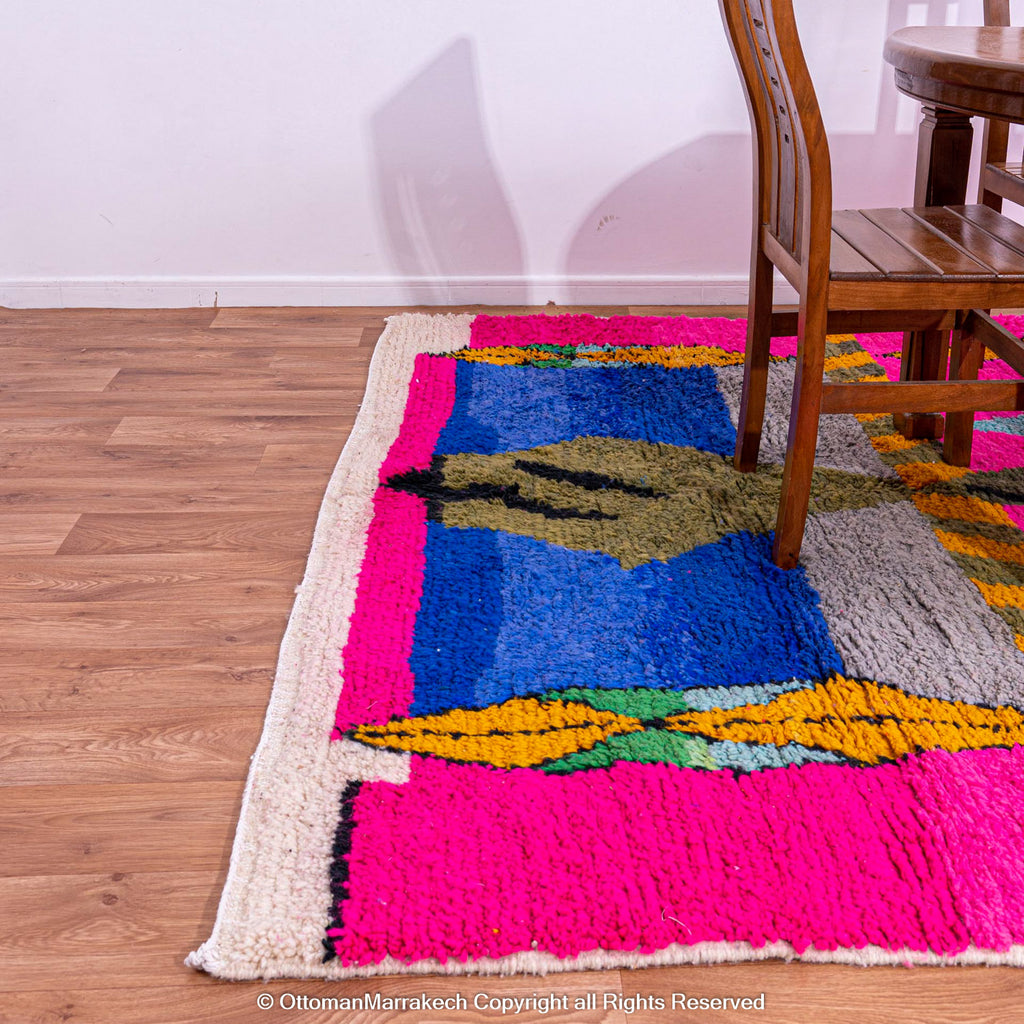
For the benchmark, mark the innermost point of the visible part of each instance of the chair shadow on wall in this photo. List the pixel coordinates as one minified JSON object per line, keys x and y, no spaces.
{"x":445,"y":211}
{"x":649,"y":219}
{"x":448,"y":219}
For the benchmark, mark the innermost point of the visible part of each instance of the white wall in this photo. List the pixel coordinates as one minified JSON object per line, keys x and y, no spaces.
{"x":307,"y":152}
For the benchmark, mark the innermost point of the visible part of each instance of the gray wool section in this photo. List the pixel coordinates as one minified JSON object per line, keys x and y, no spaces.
{"x":842,"y":443}
{"x":900,"y":610}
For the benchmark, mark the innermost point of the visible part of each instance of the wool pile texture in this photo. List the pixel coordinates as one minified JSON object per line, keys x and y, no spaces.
{"x":545,"y":703}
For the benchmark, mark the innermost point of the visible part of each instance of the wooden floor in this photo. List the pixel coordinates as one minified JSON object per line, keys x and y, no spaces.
{"x":160,"y":475}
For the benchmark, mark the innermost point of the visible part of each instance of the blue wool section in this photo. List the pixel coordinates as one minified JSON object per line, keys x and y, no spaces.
{"x":508,"y":408}
{"x":721,"y":615}
{"x":459,"y":618}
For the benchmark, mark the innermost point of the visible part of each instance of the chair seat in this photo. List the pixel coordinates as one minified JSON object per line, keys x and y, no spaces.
{"x":969,"y":244}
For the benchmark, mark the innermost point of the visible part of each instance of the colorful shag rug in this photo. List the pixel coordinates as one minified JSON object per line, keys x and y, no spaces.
{"x":545,"y":703}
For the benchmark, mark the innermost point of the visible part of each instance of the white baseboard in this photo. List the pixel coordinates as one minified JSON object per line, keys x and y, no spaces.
{"x":171,"y":293}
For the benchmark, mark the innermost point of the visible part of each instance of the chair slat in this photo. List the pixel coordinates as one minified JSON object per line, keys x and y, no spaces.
{"x":888,"y":257}
{"x":1008,"y":232}
{"x":846,"y":264}
{"x":949,"y":261}
{"x":1004,"y":261}
{"x":924,"y":396}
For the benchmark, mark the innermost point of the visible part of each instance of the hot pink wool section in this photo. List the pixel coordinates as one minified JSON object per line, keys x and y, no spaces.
{"x":993,"y":451}
{"x":618,"y":331}
{"x":378,"y":680}
{"x":903,"y":856}
{"x":430,"y":403}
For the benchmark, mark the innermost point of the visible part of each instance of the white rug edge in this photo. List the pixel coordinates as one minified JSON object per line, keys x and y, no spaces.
{"x":326,"y":592}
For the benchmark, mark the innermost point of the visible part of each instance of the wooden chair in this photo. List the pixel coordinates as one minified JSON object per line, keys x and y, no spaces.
{"x":999,"y":180}
{"x":930,"y":268}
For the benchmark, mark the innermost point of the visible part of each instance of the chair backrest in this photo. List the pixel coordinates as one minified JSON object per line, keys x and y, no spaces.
{"x":793,"y":190}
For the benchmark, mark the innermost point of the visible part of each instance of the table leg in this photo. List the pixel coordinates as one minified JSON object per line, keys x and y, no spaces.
{"x":943,"y":163}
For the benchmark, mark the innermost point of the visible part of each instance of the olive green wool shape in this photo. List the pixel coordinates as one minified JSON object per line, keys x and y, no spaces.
{"x":634,"y":500}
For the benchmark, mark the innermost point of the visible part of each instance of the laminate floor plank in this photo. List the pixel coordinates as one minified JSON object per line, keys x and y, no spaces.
{"x":319,"y":361}
{"x":101,"y":928}
{"x":286,"y":457}
{"x":205,"y":577}
{"x":213,"y":380}
{"x":153,"y":623}
{"x":141,"y":827}
{"x":347,"y":332}
{"x":166,"y":745}
{"x":154,"y":356}
{"x":93,"y":322}
{"x":35,"y":459}
{"x":16,"y":407}
{"x":312,"y":323}
{"x":163,"y":430}
{"x":58,"y":378}
{"x":32,"y":533}
{"x":75,"y":681}
{"x":22,"y":426}
{"x":162,"y":493}
{"x":146,"y":532}
{"x":176,"y":343}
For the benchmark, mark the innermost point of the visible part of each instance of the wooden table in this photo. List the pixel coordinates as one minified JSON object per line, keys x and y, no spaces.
{"x":956,"y":72}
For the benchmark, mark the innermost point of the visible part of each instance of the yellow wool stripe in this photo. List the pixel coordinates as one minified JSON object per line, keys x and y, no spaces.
{"x":957,"y":506}
{"x":671,"y":356}
{"x":924,"y":474}
{"x":1000,"y":595}
{"x":518,"y":733}
{"x":505,"y":355}
{"x":892,"y":443}
{"x":981,"y":547}
{"x":847,"y":360}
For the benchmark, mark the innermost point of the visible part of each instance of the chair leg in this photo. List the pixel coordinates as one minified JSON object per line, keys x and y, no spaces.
{"x":966,"y":354}
{"x":755,"y":363}
{"x":803,"y":439}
